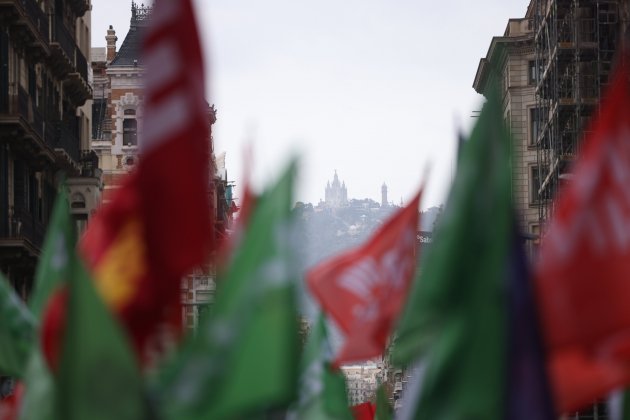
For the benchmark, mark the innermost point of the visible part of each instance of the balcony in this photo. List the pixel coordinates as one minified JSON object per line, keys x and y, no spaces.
{"x":89,"y":165}
{"x":21,"y":235}
{"x":29,"y":23}
{"x":62,"y":47}
{"x":79,"y":6}
{"x":23,"y":126}
{"x":67,"y":145}
{"x":76,"y":84}
{"x":69,"y":62}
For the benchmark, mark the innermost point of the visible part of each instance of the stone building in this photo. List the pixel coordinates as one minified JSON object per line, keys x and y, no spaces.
{"x":552,"y":67}
{"x":118,"y":100}
{"x":45,"y":119}
{"x":361,"y":382}
{"x":576,"y":45}
{"x":511,"y":63}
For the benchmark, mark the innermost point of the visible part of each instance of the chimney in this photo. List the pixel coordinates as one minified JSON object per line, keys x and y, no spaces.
{"x":111,"y":39}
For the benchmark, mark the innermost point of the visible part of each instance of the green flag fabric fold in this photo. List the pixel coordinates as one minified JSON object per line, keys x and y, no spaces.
{"x":323,"y":393}
{"x":456,"y":315}
{"x":17,"y":331}
{"x":243,"y":360}
{"x":384,"y":410}
{"x":53,"y":268}
{"x":99,"y":376}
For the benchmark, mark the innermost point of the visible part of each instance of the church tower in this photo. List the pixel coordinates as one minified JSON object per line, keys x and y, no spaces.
{"x":384,"y":195}
{"x":336,"y":193}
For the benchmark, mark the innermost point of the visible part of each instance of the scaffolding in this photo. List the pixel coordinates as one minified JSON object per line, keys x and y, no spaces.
{"x":575,"y":41}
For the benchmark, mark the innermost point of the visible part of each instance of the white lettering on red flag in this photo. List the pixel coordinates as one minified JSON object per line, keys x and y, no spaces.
{"x":583,"y":275}
{"x":175,"y":144}
{"x":365,"y":288}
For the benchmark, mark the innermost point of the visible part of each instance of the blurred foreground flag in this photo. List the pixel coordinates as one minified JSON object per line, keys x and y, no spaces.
{"x":98,"y":375}
{"x":363,"y":411}
{"x":159,"y":223}
{"x":584,"y":265}
{"x":17,"y":331}
{"x":48,"y":304}
{"x":384,"y":410}
{"x":460,"y":317}
{"x":323,"y":393}
{"x":243,"y":360}
{"x":9,"y":406}
{"x":364,"y":289}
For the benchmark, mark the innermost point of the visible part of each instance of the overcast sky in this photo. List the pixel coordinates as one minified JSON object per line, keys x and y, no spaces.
{"x":372,"y":88}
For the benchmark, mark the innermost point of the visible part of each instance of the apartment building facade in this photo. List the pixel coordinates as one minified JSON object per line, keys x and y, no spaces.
{"x":45,"y":119}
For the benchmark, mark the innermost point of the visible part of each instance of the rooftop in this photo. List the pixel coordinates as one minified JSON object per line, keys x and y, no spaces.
{"x":129,"y":53}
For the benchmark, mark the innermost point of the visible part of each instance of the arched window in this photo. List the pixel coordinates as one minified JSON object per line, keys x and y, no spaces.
{"x":130,"y":132}
{"x":78,"y":201}
{"x":130,"y":112}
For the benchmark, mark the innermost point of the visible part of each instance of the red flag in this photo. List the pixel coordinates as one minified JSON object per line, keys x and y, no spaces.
{"x":10,"y":407}
{"x":363,"y":411}
{"x":158,"y":225}
{"x":365,"y":289}
{"x":584,"y":265}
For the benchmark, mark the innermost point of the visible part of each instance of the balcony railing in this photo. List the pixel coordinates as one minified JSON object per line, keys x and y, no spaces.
{"x":67,"y":140}
{"x":62,"y":36}
{"x":24,"y":225}
{"x":22,"y":105}
{"x":37,"y":16}
{"x":81,"y":64}
{"x":89,"y":164}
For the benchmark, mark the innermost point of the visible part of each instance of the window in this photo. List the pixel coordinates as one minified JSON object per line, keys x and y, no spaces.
{"x":532,"y":73}
{"x":130,"y":132}
{"x":506,"y":82}
{"x":535,"y":119}
{"x":78,"y":201}
{"x":130,"y":112}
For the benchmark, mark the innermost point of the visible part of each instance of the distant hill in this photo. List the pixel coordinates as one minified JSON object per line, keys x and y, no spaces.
{"x":325,"y":231}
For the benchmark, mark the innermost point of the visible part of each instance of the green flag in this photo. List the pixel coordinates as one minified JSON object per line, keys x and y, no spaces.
{"x":17,"y":331}
{"x":384,"y":410}
{"x":243,"y":359}
{"x":53,"y":271}
{"x":53,"y":267}
{"x":99,"y":376}
{"x":323,"y":393}
{"x":456,"y":314}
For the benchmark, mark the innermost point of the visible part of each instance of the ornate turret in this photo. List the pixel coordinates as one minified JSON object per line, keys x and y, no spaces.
{"x":140,"y":13}
{"x":129,"y":53}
